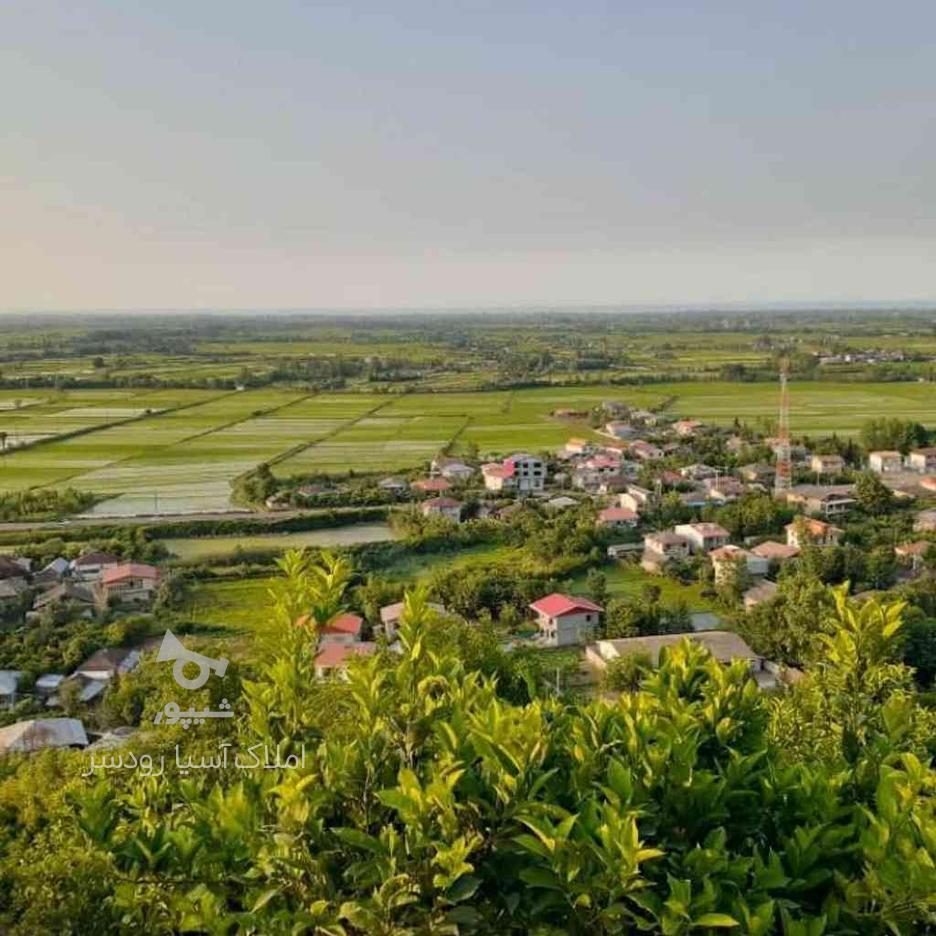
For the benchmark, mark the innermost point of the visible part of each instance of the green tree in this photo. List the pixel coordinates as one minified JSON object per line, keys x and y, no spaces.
{"x":786,"y":627}
{"x":871,"y":494}
{"x":625,"y":673}
{"x":597,"y":584}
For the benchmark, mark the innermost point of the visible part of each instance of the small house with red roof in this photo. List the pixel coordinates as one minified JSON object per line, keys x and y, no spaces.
{"x":335,"y":657}
{"x":446,"y":507}
{"x":431,"y":486}
{"x":565,"y":620}
{"x":130,"y":583}
{"x":617,"y":518}
{"x":342,"y":629}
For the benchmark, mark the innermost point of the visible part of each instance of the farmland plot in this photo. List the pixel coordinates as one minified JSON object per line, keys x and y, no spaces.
{"x":377,"y":443}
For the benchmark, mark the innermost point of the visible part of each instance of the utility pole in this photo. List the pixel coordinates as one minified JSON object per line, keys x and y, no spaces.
{"x":783,"y":478}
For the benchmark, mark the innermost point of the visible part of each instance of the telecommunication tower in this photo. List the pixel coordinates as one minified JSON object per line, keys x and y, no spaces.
{"x":784,"y":475}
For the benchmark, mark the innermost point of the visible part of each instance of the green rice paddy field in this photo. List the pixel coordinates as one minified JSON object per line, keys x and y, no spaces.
{"x":178,"y":450}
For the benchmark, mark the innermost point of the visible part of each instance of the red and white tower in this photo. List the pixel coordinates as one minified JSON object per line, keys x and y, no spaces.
{"x":784,"y":475}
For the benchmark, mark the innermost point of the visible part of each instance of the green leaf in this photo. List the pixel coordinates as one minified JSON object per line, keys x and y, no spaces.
{"x":719,"y":920}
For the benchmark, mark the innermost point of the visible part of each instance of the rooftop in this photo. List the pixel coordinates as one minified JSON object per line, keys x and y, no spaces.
{"x":723,"y":645}
{"x":334,"y":655}
{"x":557,"y":604}
{"x":346,"y":623}
{"x":774,"y":550}
{"x":38,"y":733}
{"x":129,"y":570}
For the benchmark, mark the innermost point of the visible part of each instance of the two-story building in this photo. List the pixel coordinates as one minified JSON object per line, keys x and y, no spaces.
{"x":446,"y":507}
{"x":827,"y":464}
{"x":617,"y":518}
{"x":885,"y":462}
{"x":636,"y":498}
{"x":130,"y":583}
{"x":89,"y":565}
{"x":667,"y":545}
{"x":703,"y":537}
{"x":823,"y":500}
{"x":725,"y":559}
{"x":523,"y":473}
{"x":565,"y":620}
{"x":923,"y":460}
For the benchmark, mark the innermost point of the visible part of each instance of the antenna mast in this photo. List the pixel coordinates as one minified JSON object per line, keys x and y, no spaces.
{"x":784,"y":474}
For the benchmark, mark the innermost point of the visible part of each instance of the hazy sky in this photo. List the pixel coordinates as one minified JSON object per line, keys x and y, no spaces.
{"x":393,"y":153}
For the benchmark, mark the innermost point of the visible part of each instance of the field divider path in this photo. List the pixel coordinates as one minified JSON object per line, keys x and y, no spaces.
{"x":197,"y":435}
{"x":304,"y":446}
{"x":447,"y":450}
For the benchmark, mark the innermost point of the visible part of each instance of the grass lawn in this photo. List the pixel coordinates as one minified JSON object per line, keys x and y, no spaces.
{"x":228,"y":607}
{"x":418,"y":567}
{"x":626,"y":581}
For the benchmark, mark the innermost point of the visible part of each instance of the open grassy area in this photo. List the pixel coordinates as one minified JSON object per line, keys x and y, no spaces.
{"x":626,"y":580}
{"x":199,"y":548}
{"x":418,"y":567}
{"x":229,"y":607}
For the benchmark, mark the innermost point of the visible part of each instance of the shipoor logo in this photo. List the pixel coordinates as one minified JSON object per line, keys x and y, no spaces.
{"x":172,"y":713}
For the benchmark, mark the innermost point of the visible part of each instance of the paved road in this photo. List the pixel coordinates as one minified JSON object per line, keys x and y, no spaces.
{"x":138,"y":520}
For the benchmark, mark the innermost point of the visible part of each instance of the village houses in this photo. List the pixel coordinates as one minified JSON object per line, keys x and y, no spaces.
{"x":333,"y":658}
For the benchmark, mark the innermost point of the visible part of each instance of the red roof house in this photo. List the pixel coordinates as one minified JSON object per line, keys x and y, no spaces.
{"x":617,"y":516}
{"x":336,"y":656}
{"x":565,"y":620}
{"x":343,"y":629}
{"x":431,"y":485}
{"x":129,"y":582}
